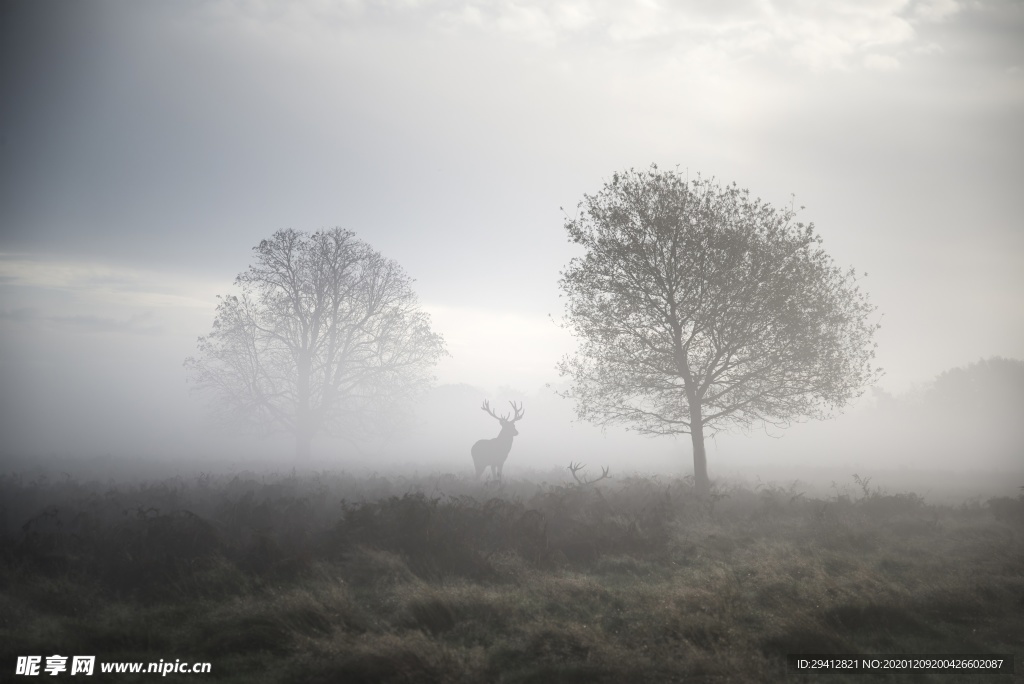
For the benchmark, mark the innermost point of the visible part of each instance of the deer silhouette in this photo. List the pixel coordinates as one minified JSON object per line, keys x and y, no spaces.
{"x":493,"y":452}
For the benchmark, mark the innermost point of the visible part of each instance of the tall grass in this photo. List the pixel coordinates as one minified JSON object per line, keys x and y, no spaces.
{"x":329,"y":578}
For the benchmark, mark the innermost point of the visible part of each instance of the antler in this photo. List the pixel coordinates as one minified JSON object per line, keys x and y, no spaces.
{"x":576,"y":467}
{"x":487,"y":407}
{"x":504,"y":418}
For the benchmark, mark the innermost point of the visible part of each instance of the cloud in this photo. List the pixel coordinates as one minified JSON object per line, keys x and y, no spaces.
{"x":935,"y":10}
{"x":881,"y":62}
{"x":61,"y":298}
{"x":819,"y":36}
{"x":98,"y":281}
{"x":22,"y":315}
{"x":137,"y":324}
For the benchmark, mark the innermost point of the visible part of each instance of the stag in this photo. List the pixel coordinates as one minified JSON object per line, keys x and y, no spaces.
{"x":493,"y":452}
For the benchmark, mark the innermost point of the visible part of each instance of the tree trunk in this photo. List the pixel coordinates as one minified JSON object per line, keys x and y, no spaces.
{"x":700,"y":458}
{"x":303,"y":422}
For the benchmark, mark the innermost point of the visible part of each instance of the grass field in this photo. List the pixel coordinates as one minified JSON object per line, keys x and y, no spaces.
{"x":330,"y":578}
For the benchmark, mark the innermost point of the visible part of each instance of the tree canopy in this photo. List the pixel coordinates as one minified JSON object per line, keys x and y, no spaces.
{"x":326,"y":335}
{"x":698,"y":308}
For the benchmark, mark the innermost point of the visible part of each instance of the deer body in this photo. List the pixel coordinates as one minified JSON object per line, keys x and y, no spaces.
{"x":493,"y":452}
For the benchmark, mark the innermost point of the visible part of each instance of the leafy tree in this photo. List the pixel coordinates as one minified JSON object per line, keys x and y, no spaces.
{"x":325,"y":336}
{"x":698,"y":308}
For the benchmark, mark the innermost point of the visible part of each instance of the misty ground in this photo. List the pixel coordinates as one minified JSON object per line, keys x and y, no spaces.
{"x":327,"y":576}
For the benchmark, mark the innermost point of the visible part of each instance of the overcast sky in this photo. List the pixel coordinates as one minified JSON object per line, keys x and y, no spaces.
{"x":146,"y":147}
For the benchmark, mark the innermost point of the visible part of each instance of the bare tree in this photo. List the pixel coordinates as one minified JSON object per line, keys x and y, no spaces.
{"x":325,"y":336}
{"x":493,"y":452}
{"x":698,"y":308}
